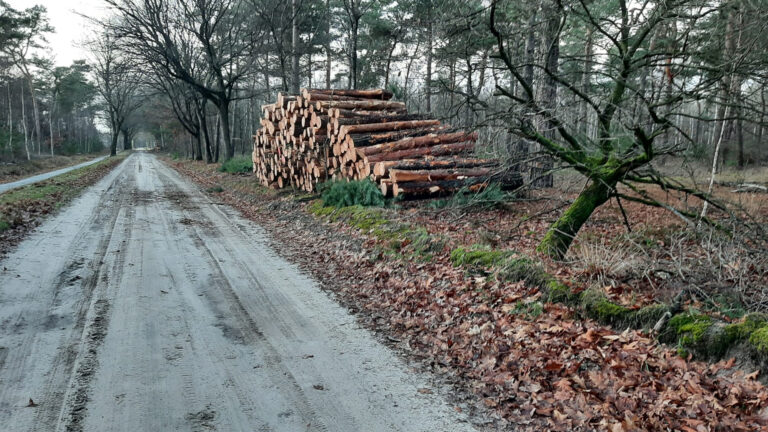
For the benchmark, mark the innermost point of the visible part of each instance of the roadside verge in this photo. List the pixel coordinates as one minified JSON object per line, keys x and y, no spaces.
{"x":24,"y":208}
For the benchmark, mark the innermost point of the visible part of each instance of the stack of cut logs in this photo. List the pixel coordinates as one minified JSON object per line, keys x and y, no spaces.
{"x":354,"y":134}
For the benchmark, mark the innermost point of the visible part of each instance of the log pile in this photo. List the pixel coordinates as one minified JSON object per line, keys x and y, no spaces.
{"x":355,"y":134}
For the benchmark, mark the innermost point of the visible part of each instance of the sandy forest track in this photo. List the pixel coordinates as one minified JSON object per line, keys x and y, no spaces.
{"x":144,"y":306}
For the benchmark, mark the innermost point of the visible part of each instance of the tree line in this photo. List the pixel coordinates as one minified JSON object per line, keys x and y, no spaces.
{"x":44,"y":109}
{"x":607,"y":88}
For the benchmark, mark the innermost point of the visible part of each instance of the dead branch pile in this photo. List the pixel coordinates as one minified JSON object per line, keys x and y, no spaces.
{"x":355,"y":134}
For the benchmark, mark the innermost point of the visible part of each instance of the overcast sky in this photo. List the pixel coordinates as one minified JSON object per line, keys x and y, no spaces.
{"x":71,"y":29}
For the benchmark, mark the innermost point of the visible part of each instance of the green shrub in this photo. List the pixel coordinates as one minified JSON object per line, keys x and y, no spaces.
{"x":238,"y":164}
{"x":351,"y":193}
{"x":492,"y":196}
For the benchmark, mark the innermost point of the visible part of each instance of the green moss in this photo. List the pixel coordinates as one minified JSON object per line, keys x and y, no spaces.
{"x":646,"y":317}
{"x":690,"y":327}
{"x":360,"y":217}
{"x":398,"y":240}
{"x":598,"y":307}
{"x":759,"y":340}
{"x":318,"y":209}
{"x":557,"y":292}
{"x":474,"y":256}
{"x":744,"y":329}
{"x":701,"y":336}
{"x":4,"y":225}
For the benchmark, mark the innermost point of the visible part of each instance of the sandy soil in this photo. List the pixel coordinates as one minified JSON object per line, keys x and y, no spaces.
{"x":145,"y":306}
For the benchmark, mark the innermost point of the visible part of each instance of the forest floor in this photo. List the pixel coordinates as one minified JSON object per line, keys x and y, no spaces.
{"x":24,"y":208}
{"x":426,"y":279}
{"x":17,"y":170}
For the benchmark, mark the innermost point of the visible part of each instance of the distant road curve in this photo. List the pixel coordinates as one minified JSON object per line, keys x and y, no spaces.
{"x":40,"y":177}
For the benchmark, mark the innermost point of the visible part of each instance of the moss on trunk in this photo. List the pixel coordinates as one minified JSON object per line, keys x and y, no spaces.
{"x":561,"y":234}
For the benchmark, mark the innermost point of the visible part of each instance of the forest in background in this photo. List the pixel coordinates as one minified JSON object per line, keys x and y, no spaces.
{"x":698,"y":64}
{"x":606,"y":89}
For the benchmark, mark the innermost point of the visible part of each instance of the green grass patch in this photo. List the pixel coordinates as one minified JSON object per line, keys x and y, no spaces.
{"x":238,"y":164}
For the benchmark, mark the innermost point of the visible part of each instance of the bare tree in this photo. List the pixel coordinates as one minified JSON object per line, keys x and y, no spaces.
{"x":626,"y":142}
{"x":117,"y":82}
{"x":207,"y":44}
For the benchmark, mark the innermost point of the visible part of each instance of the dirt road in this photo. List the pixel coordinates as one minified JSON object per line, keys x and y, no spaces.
{"x":145,"y":306}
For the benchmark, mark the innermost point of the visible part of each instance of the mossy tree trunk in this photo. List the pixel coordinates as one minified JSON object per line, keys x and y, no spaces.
{"x":561,"y":233}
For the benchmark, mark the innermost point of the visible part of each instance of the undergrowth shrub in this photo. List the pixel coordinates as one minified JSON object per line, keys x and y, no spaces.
{"x":238,"y":164}
{"x":349,"y":193}
{"x":490,"y":197}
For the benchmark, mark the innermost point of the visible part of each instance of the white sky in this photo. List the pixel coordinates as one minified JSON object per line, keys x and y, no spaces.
{"x":70,"y":28}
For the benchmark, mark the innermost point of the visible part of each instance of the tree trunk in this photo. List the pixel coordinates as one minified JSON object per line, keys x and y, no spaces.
{"x":542,"y":177}
{"x":10,"y":120}
{"x":406,"y":85}
{"x":207,"y":138}
{"x":762,"y":122}
{"x":229,"y":149}
{"x":218,"y":139}
{"x":126,"y":141}
{"x":428,"y":79}
{"x":36,"y":113}
{"x":389,"y":63}
{"x":24,"y":125}
{"x":353,"y":54}
{"x":295,"y":47}
{"x":530,"y":49}
{"x":585,"y":82}
{"x":199,"y":147}
{"x":561,"y":233}
{"x":113,"y":145}
{"x":50,"y":120}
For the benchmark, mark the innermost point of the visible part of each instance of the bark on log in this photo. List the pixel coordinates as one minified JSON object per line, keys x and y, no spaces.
{"x":384,"y":127}
{"x":422,"y":141}
{"x":426,"y":164}
{"x":341,"y":113}
{"x":368,"y":94}
{"x":372,"y":105}
{"x":437,"y":187}
{"x":439,"y":150}
{"x":367,"y":139}
{"x":432,"y":175}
